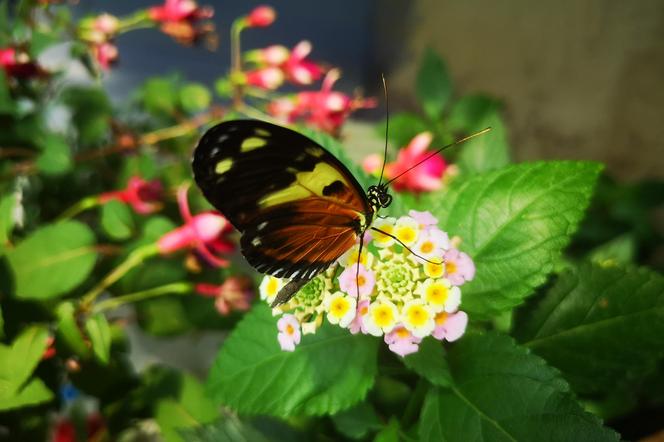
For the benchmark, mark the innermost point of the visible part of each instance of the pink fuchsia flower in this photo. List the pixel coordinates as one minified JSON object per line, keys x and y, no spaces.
{"x":106,"y":54}
{"x":180,"y":19}
{"x":261,"y":16}
{"x":233,"y":294}
{"x":357,"y":324}
{"x":352,"y":278}
{"x":17,"y":64}
{"x":289,"y":332}
{"x":401,"y":341}
{"x":298,"y":70}
{"x":265,"y":78}
{"x":274,"y":55}
{"x":143,"y":196}
{"x":205,"y":233}
{"x":459,"y":268}
{"x":450,"y":326}
{"x":425,"y":177}
{"x":326,"y":109}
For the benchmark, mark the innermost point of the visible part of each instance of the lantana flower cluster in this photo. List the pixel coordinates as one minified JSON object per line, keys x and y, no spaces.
{"x":391,"y":292}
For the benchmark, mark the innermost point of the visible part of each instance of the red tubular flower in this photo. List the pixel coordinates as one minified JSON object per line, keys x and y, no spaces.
{"x":179,"y":19}
{"x":106,"y":54}
{"x":274,"y":55}
{"x":143,"y":196}
{"x":298,"y":70}
{"x":18,"y":64}
{"x":326,"y":109}
{"x":205,"y":233}
{"x":426,"y":177}
{"x":261,"y":17}
{"x":265,"y":78}
{"x":234,"y":294}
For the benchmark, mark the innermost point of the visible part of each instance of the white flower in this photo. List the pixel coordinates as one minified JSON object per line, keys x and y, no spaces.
{"x":269,"y":288}
{"x":381,"y":317}
{"x":387,"y":226}
{"x":418,"y":318}
{"x":407,"y":230}
{"x":440,"y":295}
{"x":340,"y":309}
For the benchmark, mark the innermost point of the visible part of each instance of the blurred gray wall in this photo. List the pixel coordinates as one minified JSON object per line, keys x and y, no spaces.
{"x":580,"y":79}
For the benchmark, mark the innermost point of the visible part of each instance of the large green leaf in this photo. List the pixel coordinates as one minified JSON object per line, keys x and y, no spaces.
{"x":53,"y":260}
{"x":600,"y":325}
{"x":358,"y":421}
{"x":21,"y":359}
{"x":116,"y":220}
{"x":433,"y":84}
{"x":328,"y":371}
{"x":99,"y":333}
{"x":503,"y":393}
{"x":430,"y":362}
{"x":514,"y":223}
{"x":34,"y":393}
{"x":229,"y":429}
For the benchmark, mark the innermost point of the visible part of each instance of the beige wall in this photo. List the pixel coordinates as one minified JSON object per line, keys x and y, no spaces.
{"x":579,"y":79}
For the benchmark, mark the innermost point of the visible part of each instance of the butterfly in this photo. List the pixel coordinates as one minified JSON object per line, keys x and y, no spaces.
{"x":296,"y":205}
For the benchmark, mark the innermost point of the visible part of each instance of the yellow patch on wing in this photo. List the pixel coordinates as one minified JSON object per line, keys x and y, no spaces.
{"x":314,"y":151}
{"x":306,"y":184}
{"x":223,"y":166}
{"x":252,"y":143}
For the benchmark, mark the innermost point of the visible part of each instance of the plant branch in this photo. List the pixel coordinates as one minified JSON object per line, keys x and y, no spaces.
{"x":176,"y":288}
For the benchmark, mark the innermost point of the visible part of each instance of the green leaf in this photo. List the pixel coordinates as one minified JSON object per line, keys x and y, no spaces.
{"x":99,"y":333}
{"x":55,"y":157}
{"x":600,"y":325}
{"x":486,"y":152}
{"x":620,"y":250}
{"x":25,"y":353}
{"x":328,"y":371}
{"x":69,"y":330}
{"x":390,"y":433}
{"x":229,"y":429}
{"x":191,"y":409}
{"x":116,"y":220}
{"x":403,"y":128}
{"x":6,"y":217}
{"x":32,"y":394}
{"x":91,"y":113}
{"x":514,"y":223}
{"x":503,"y":393}
{"x":468,"y":113}
{"x":358,"y":421}
{"x":433,"y":84}
{"x":6,"y":102}
{"x":223,"y":87}
{"x":430,"y":363}
{"x":160,"y":96}
{"x":195,"y":97}
{"x":53,"y":260}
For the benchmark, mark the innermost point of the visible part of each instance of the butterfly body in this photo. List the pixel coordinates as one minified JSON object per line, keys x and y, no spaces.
{"x":297,"y":206}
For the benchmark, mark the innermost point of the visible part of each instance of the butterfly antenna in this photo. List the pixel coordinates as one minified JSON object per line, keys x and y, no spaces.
{"x":459,"y":141}
{"x":387,"y":128}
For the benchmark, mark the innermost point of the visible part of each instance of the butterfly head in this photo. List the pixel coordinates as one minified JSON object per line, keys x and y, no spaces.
{"x":379,"y":197}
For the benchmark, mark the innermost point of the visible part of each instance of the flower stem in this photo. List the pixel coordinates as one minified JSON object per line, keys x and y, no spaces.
{"x":236,"y":60}
{"x":181,"y":129}
{"x":176,"y":288}
{"x":84,"y":204}
{"x":135,"y":258}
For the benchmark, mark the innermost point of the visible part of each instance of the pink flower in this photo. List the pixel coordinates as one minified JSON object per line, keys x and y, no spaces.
{"x":261,"y":17}
{"x":357,"y":325}
{"x":107,"y":24}
{"x":289,"y":332}
{"x":234,"y":294}
{"x":205,"y":233}
{"x":298,"y":70}
{"x":365,"y":280}
{"x":425,"y":177}
{"x":143,"y":196}
{"x":266,"y":78}
{"x":372,"y":164}
{"x":401,"y":341}
{"x":180,"y":19}
{"x":450,"y":326}
{"x":274,"y":55}
{"x":459,"y":268}
{"x":18,"y":64}
{"x":106,"y":54}
{"x":325,"y":109}
{"x":426,"y":219}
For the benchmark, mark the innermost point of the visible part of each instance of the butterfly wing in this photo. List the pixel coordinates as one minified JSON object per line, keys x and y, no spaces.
{"x":297,"y":206}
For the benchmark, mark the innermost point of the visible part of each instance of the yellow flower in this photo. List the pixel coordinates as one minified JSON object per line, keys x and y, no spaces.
{"x":440,"y":294}
{"x":340,"y":309}
{"x":386,"y":225}
{"x":418,"y":318}
{"x":381,"y":317}
{"x":407,"y":230}
{"x":433,"y":270}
